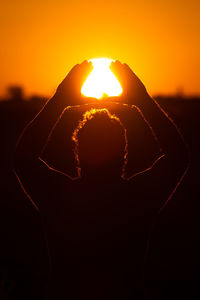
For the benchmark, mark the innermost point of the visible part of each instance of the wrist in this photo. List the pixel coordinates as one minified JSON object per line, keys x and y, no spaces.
{"x":58,"y":103}
{"x":143,"y":101}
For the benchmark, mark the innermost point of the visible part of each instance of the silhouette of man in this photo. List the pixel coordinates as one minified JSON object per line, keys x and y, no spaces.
{"x":97,"y":225}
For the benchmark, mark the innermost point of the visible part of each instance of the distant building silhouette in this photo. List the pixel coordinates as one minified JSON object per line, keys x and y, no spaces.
{"x":15,"y":93}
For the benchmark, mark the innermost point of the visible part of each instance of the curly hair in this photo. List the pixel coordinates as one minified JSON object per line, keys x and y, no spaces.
{"x":104,"y":130}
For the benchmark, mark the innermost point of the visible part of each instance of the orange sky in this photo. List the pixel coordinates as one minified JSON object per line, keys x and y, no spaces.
{"x":42,"y":40}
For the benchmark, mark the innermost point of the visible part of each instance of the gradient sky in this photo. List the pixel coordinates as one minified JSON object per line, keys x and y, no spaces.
{"x":42,"y":40}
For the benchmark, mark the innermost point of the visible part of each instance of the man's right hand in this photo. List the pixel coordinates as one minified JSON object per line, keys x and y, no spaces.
{"x":69,"y":91}
{"x":134,"y":92}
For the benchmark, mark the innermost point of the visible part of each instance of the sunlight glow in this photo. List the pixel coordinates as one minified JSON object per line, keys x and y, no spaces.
{"x":101,"y":80}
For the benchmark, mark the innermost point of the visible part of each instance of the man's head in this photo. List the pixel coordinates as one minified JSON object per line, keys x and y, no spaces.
{"x":100,"y":144}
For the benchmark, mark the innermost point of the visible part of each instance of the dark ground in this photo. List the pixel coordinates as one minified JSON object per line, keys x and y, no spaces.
{"x":172,"y":270}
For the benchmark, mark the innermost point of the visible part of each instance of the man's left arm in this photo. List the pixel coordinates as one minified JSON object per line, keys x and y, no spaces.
{"x":164,"y":176}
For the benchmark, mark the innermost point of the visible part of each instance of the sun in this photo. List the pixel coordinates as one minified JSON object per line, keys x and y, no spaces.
{"x":101,"y":80}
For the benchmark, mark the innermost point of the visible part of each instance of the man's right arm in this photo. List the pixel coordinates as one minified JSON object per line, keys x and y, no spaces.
{"x":34,"y":174}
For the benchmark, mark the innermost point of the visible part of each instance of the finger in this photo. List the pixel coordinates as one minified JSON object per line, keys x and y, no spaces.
{"x":83,"y":71}
{"x":118,"y":69}
{"x":77,"y":76}
{"x":74,"y":71}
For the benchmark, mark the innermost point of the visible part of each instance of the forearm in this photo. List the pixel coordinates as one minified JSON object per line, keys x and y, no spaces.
{"x":34,"y":136}
{"x":168,"y":135}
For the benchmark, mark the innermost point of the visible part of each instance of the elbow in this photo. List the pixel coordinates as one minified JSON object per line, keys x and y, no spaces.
{"x":179,"y":158}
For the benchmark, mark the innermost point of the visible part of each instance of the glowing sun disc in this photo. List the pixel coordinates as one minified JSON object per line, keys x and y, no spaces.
{"x":101,"y":80}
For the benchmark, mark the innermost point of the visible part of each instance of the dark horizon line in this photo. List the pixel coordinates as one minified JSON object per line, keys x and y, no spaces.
{"x":156,"y":96}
